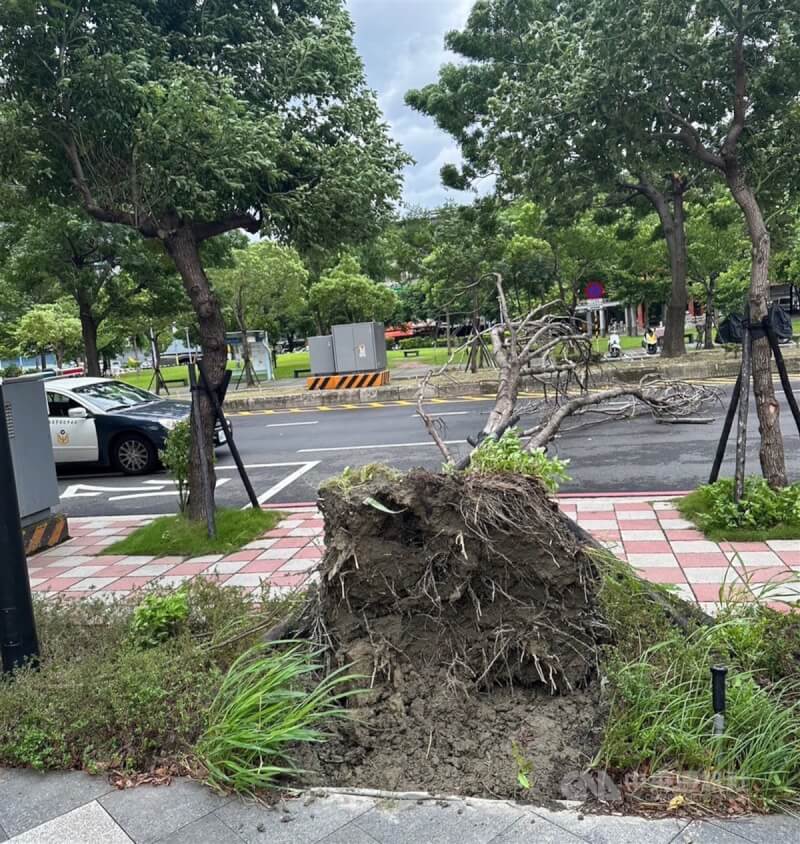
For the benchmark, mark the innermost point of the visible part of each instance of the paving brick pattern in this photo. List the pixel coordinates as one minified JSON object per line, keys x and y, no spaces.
{"x":285,"y":558}
{"x":647,"y":531}
{"x":651,"y":535}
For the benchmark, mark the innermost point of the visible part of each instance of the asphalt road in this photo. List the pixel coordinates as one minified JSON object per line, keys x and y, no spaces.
{"x":289,"y":453}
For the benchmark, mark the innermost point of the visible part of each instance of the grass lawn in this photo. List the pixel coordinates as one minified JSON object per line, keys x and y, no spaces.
{"x":696,"y":507}
{"x":177,"y":536}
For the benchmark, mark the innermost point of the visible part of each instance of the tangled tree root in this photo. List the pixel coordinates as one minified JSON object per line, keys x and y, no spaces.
{"x":474,"y":577}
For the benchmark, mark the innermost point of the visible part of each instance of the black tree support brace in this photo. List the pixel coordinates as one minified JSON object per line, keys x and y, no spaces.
{"x":215,"y":401}
{"x":726,"y":431}
{"x":784,"y":375}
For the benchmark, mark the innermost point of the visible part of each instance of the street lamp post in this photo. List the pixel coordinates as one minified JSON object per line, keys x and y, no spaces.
{"x":18,"y":642}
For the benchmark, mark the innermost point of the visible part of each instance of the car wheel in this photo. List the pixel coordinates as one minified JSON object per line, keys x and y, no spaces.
{"x":134,"y":455}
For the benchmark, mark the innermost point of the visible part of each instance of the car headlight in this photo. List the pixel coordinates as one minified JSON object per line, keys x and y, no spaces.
{"x":169,"y":424}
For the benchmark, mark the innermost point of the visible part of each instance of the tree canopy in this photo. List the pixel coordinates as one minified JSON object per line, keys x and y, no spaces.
{"x":183,"y":122}
{"x":344,"y":294}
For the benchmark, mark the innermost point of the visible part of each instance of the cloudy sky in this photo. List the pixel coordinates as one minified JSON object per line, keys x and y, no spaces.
{"x":401,"y":42}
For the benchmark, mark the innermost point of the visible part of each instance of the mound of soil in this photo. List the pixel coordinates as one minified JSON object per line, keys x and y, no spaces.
{"x":470,"y":607}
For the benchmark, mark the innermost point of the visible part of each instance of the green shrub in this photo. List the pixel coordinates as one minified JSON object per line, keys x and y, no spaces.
{"x":263,"y":707}
{"x":423,"y":343}
{"x":99,"y":701}
{"x":761,"y":508}
{"x":11,"y":371}
{"x":159,"y":617}
{"x":508,"y":454}
{"x":176,"y":457}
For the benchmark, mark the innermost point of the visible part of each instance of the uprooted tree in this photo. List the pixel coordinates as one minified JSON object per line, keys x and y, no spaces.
{"x":544,"y":347}
{"x":186,"y":121}
{"x":467,"y":597}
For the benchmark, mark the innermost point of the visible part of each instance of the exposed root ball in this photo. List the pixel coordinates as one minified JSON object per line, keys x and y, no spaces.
{"x":471,"y":610}
{"x":471,"y":577}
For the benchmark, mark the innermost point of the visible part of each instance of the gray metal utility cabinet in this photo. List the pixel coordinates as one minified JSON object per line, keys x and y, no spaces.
{"x":323,"y":361}
{"x":359,"y":347}
{"x":25,"y":406}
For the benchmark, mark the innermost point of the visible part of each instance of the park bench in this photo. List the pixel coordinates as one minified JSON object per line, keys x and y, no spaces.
{"x":182,"y":381}
{"x":410,"y":353}
{"x":299,"y":372}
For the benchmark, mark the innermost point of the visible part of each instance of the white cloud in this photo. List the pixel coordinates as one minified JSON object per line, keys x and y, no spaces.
{"x":402,"y":44}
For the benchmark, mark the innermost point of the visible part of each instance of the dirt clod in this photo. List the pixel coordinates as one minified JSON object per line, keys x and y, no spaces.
{"x":470,"y":609}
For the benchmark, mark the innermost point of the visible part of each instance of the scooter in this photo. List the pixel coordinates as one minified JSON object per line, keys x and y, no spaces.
{"x":614,"y":347}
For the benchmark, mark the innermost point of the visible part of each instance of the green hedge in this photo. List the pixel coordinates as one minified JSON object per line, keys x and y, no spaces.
{"x":424,"y":343}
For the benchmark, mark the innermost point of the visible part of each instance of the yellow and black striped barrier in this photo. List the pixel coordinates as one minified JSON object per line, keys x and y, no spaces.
{"x":45,"y":534}
{"x":348,"y":382}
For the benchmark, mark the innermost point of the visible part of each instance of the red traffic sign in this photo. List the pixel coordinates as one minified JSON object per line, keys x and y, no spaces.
{"x":595,"y":290}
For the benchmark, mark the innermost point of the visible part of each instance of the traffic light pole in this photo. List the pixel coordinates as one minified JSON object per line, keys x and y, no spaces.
{"x":18,"y":642}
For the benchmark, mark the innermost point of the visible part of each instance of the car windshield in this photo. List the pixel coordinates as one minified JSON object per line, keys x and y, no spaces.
{"x":114,"y":395}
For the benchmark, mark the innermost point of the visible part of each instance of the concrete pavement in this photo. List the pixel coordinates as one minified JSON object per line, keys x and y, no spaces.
{"x":74,"y":808}
{"x":290,"y":452}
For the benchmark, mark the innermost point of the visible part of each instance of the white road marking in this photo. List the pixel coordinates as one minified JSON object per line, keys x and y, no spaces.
{"x":377,"y":445}
{"x":90,"y":491}
{"x":291,"y":424}
{"x":289,"y":479}
{"x":154,"y":494}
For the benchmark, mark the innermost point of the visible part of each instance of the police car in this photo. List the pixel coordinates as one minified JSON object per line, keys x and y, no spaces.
{"x":97,"y":420}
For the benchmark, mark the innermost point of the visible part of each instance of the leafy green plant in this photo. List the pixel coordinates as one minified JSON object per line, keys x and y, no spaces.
{"x":268,"y":702}
{"x":524,"y":766}
{"x":351,"y":478}
{"x":508,"y":454}
{"x":159,"y":617}
{"x":761,"y":510}
{"x":176,"y":459}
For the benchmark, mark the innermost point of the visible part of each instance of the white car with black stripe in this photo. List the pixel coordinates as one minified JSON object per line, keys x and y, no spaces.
{"x":111,"y":423}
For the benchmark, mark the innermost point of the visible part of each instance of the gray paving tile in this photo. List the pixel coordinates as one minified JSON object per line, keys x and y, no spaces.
{"x":350,"y":834}
{"x":612,"y":829}
{"x":207,"y":829}
{"x":30,"y":798}
{"x":292,"y":821}
{"x":454,"y":822}
{"x":84,"y":824}
{"x":533,"y":830}
{"x":149,"y":813}
{"x":704,"y":832}
{"x":766,"y":829}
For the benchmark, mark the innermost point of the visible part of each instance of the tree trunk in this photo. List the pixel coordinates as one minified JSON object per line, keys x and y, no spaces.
{"x":673,"y":225}
{"x":248,"y":365}
{"x":182,"y":248}
{"x":773,"y":461}
{"x":89,"y":333}
{"x":474,"y":351}
{"x":708,"y":340}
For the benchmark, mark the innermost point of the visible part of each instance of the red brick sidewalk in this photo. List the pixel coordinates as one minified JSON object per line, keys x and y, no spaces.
{"x":645,"y":530}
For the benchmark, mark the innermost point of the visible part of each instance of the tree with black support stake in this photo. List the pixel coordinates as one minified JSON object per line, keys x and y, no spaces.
{"x":217,"y":397}
{"x":18,"y":641}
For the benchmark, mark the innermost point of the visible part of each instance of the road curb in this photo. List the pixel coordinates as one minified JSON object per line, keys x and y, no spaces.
{"x":624,"y":371}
